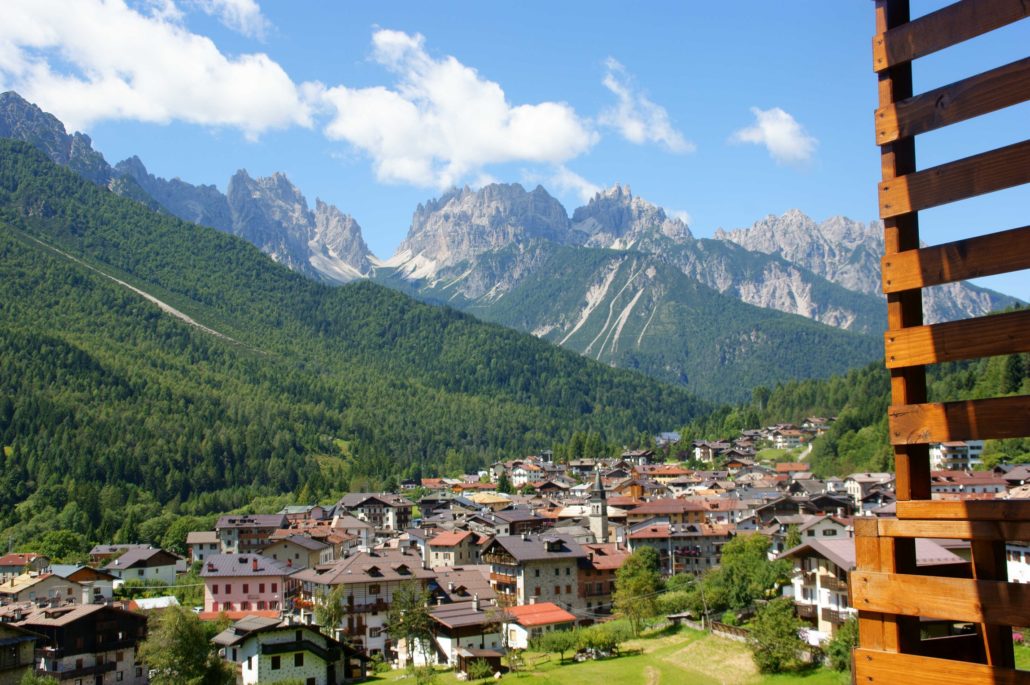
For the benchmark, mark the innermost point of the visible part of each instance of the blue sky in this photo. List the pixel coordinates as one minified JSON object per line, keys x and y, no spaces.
{"x":720,"y":112}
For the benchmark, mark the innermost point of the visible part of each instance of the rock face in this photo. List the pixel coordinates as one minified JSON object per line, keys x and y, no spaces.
{"x":273,"y":214}
{"x":848,"y":253}
{"x":464,"y":223}
{"x":203,"y":204}
{"x":22,"y":120}
{"x":615,"y":219}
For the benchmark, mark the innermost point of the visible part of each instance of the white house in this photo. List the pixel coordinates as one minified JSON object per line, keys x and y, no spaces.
{"x":144,"y":565}
{"x":1017,"y":555}
{"x":267,"y":650}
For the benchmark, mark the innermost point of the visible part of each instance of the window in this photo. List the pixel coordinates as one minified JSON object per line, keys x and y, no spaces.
{"x":568,"y":589}
{"x":536,"y":591}
{"x":140,"y":573}
{"x":260,"y":605}
{"x":568,"y":570}
{"x":536,"y":572}
{"x":557,"y":571}
{"x":310,"y":681}
{"x":244,"y":606}
{"x":214,"y":589}
{"x":276,"y":663}
{"x":299,"y":635}
{"x":248,"y":663}
{"x":557,"y":589}
{"x":246,"y":588}
{"x":275,"y":587}
{"x":139,"y":671}
{"x":228,"y":589}
{"x":261,"y":588}
{"x":119,"y":656}
{"x":373,"y":589}
{"x":298,"y":659}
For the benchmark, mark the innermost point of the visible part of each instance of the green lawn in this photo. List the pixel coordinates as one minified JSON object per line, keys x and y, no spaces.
{"x":1023,"y":658}
{"x":685,"y":657}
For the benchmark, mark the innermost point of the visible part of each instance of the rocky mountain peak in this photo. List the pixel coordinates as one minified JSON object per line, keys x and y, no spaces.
{"x":338,"y":236}
{"x":615,"y":219}
{"x":463,"y":223}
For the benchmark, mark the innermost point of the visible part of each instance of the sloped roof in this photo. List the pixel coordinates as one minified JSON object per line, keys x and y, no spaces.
{"x":539,"y":614}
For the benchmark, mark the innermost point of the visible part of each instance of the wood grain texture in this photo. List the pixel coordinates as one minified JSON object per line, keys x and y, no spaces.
{"x":943,"y":28}
{"x":997,"y":417}
{"x":885,"y":668}
{"x":951,"y":599}
{"x":1016,"y":510}
{"x":985,"y":336}
{"x":985,"y":255}
{"x":960,"y":529}
{"x":972,"y":97}
{"x":987,"y":172}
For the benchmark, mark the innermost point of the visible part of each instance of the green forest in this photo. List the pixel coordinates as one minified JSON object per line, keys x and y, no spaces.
{"x":857,"y":440}
{"x":112,"y":412}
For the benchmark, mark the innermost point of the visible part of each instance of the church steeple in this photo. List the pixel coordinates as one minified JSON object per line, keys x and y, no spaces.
{"x":599,"y":510}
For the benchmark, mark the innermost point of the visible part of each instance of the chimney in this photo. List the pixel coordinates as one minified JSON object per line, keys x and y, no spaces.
{"x":450,"y":587}
{"x":475,"y":602}
{"x":254,"y":564}
{"x":532,"y":600}
{"x":289,"y":563}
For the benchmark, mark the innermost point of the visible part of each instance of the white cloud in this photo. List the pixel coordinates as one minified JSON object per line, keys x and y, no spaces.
{"x":681,"y":215}
{"x":566,"y":181}
{"x":637,"y":118}
{"x":443,"y":122}
{"x":92,"y":60}
{"x":243,"y":16}
{"x":786,"y":140}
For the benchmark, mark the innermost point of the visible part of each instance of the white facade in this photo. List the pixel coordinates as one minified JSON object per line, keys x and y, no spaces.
{"x":164,"y":574}
{"x":956,"y":456}
{"x":1017,"y":555}
{"x":294,"y":661}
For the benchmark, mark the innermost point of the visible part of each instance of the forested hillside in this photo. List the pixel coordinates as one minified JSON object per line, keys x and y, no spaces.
{"x":857,"y":441}
{"x":111,"y":410}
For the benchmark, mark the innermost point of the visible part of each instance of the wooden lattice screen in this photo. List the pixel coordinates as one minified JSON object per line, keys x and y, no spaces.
{"x":890,"y":592}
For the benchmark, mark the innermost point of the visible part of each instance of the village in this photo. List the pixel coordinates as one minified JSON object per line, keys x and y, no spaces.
{"x":524,"y":548}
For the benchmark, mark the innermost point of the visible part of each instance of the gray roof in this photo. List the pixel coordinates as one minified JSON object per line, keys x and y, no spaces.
{"x":303,"y":541}
{"x":356,"y":499}
{"x":143,"y":558}
{"x":232,"y":565}
{"x":239,"y":631}
{"x":368,"y":567}
{"x":842,"y":552}
{"x":535,"y":547}
{"x":251,"y":521}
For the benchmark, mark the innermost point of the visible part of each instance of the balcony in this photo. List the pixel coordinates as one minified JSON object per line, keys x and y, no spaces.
{"x":808,"y":578}
{"x":835,"y":617}
{"x":805,"y":612}
{"x":834,"y":584}
{"x":84,"y":672}
{"x":503,"y":578}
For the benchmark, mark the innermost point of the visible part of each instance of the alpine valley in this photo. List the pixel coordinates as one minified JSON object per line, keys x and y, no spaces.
{"x":618,"y":281}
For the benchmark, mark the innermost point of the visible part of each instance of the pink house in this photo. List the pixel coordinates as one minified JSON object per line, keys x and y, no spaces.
{"x":246,"y":585}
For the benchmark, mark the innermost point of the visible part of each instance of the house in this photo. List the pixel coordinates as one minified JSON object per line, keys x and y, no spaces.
{"x":364,"y":531}
{"x":958,"y":455}
{"x":15,"y":564}
{"x":667,"y":438}
{"x":515,"y":521}
{"x":97,"y":585}
{"x":200,"y":543}
{"x":41,"y":588}
{"x":535,"y":568}
{"x":269,"y":650}
{"x":385,"y":511}
{"x":145,"y":565}
{"x":966,"y":482}
{"x":88,"y":643}
{"x":597,"y":575}
{"x":1017,"y":559}
{"x":17,"y":646}
{"x":453,"y":548}
{"x":299,"y":551}
{"x":243,"y":534}
{"x":369,"y":580}
{"x":857,"y":485}
{"x":101,"y":553}
{"x":246,"y":584}
{"x":532,"y":620}
{"x":304,"y":512}
{"x":465,"y":625}
{"x":682,"y":548}
{"x":820,"y":581}
{"x":673,"y":510}
{"x":707,"y":452}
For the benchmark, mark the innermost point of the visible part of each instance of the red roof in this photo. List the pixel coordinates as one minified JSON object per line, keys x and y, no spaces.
{"x":16,"y":559}
{"x":540,"y":614}
{"x":237,"y":615}
{"x":787,"y":467}
{"x":450,"y":539}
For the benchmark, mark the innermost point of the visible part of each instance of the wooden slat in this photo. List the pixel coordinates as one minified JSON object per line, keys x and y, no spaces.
{"x":989,"y":564}
{"x":875,"y":630}
{"x":997,"y":417}
{"x":950,"y":599}
{"x":883,"y":668}
{"x":986,"y":255}
{"x":943,"y":28}
{"x":985,"y":336}
{"x":973,"y":510}
{"x":987,"y":172}
{"x":960,"y":529}
{"x":992,"y":90}
{"x":904,"y":309}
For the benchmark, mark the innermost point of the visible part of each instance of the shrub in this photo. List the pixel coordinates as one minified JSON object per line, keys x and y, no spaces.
{"x":479,"y":669}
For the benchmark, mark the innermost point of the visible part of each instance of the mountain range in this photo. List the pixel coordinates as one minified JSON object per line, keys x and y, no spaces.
{"x":618,"y":280}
